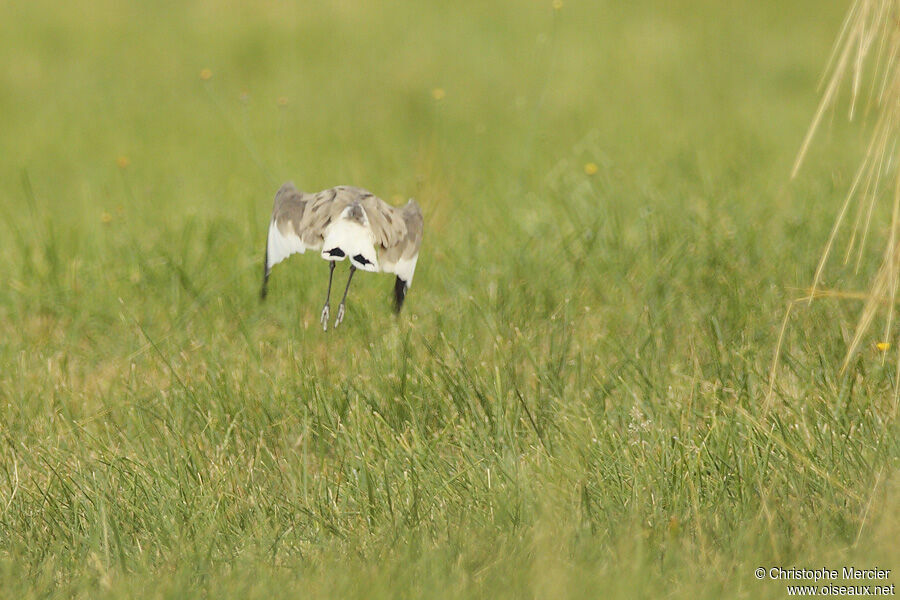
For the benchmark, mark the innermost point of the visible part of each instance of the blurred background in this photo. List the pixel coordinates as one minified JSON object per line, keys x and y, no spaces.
{"x":480,"y":97}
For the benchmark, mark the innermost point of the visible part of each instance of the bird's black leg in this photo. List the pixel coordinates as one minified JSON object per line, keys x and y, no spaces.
{"x":326,"y":311}
{"x":340,"y":315}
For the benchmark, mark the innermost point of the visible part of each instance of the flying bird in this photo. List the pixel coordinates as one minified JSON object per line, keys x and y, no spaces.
{"x":345,"y":222}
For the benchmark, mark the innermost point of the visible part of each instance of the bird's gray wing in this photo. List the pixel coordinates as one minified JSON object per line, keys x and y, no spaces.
{"x":322,"y":209}
{"x":402,"y":231}
{"x":288,"y":233}
{"x":285,"y":235}
{"x":415,"y":227}
{"x":386,"y":221}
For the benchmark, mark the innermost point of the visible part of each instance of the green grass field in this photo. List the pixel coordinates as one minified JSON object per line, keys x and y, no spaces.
{"x":573,"y":402}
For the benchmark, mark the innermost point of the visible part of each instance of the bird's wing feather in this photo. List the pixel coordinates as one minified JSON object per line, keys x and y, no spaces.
{"x":283,"y":238}
{"x":400,"y":256}
{"x":323,"y":208}
{"x":386,"y":221}
{"x":415,"y":226}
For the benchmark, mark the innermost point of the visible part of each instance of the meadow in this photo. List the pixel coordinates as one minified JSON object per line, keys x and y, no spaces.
{"x":575,"y":401}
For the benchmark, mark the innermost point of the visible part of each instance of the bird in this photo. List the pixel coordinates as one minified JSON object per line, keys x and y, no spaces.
{"x":345,"y":222}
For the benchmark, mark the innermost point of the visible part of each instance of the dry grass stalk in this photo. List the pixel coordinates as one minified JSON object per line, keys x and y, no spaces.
{"x":867,"y":48}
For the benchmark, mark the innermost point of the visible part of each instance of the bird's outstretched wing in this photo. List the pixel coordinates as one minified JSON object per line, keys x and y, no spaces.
{"x":398,"y":232}
{"x":386,"y":221}
{"x":284,"y":237}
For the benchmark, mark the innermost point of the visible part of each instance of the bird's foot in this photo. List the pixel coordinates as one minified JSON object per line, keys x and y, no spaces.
{"x":324,"y":320}
{"x":340,"y":315}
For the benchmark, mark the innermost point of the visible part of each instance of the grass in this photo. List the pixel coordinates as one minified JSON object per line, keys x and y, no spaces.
{"x":573,"y":402}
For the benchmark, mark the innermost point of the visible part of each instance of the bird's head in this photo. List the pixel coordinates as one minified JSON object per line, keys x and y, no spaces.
{"x":355,"y":212}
